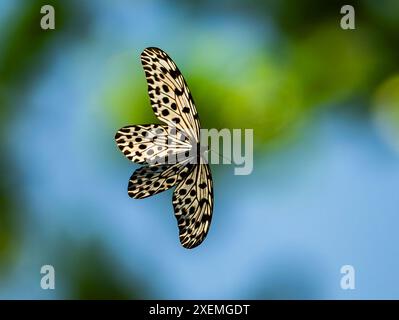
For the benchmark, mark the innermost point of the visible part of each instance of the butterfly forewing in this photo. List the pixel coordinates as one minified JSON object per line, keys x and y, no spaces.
{"x":170,"y":97}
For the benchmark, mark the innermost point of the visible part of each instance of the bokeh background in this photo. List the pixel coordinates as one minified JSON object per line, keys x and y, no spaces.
{"x":324,"y":106}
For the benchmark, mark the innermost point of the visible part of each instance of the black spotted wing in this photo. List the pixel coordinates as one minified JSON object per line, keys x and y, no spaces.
{"x":152,"y":179}
{"x":193,"y":204}
{"x":170,"y":96}
{"x":151,"y":143}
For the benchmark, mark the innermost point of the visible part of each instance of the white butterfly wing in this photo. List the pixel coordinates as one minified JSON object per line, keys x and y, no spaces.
{"x":151,"y":143}
{"x":149,"y":180}
{"x":193,"y":205}
{"x":170,"y":96}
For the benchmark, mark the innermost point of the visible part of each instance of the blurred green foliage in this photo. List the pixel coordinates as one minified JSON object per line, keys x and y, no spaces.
{"x":22,"y":50}
{"x":24,"y":55}
{"x":386,"y":110}
{"x":313,"y":64}
{"x":90,"y":271}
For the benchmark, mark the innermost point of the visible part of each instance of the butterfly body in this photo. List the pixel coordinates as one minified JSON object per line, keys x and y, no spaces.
{"x":171,"y":153}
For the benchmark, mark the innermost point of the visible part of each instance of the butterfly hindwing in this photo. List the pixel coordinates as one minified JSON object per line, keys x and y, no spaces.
{"x":149,"y":180}
{"x":193,"y":205}
{"x":170,"y":96}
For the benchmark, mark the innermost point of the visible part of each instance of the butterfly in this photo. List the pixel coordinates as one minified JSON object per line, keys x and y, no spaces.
{"x":171,"y":153}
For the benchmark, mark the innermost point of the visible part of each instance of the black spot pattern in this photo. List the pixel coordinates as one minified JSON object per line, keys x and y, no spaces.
{"x":193,"y":206}
{"x":149,"y":180}
{"x":169,"y":95}
{"x":173,"y":104}
{"x":143,"y":143}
